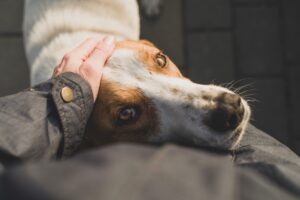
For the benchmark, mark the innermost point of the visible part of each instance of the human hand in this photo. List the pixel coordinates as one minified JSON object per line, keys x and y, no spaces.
{"x":88,"y":60}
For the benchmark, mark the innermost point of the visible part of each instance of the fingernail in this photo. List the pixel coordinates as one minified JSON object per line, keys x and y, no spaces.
{"x":109,"y":40}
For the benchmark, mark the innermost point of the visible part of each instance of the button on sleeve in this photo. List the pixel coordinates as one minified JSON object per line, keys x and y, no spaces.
{"x":73,"y":98}
{"x":67,"y":94}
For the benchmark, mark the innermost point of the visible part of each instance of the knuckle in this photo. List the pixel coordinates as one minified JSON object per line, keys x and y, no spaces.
{"x":57,"y":69}
{"x":67,"y":57}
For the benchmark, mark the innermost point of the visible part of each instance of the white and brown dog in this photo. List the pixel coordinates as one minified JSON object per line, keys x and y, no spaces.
{"x":143,"y":95}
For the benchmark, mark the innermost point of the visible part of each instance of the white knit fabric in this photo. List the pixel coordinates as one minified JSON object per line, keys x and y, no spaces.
{"x":53,"y":27}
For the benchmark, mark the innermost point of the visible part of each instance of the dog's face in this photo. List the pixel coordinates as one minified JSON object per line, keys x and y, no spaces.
{"x":143,"y":97}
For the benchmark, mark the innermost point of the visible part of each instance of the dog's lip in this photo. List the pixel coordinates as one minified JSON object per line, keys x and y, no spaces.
{"x":234,"y":134}
{"x":247,"y":112}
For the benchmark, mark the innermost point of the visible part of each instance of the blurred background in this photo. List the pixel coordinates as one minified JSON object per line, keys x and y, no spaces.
{"x":251,"y":43}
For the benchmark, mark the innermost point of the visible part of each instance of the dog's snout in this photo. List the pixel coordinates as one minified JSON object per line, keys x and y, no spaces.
{"x":227,"y":113}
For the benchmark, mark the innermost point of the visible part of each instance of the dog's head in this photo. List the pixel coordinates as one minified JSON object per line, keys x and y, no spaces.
{"x":143,"y":97}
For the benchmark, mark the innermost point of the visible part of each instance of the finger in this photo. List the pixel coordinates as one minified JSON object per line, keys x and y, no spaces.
{"x":85,"y":48}
{"x":58,"y":69}
{"x":55,"y":72}
{"x":101,"y":53}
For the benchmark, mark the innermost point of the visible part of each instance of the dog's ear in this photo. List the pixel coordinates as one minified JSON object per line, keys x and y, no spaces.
{"x":146,"y":42}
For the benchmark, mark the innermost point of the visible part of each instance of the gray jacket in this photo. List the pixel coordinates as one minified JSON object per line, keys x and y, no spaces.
{"x":38,"y":128}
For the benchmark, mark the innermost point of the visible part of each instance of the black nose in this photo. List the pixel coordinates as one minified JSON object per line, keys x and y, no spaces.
{"x":226,"y":114}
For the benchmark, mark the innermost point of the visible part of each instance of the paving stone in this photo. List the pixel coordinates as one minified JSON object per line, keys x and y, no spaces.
{"x":294,"y":80}
{"x":11,"y":15}
{"x":259,"y":49}
{"x":210,"y":57}
{"x":270,"y":112}
{"x":14,"y":75}
{"x":292,"y":29}
{"x":166,"y":31}
{"x":208,"y":13}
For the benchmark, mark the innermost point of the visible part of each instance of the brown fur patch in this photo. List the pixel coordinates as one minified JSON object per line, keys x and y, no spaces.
{"x":146,"y":42}
{"x":147,"y":54}
{"x":102,"y":126}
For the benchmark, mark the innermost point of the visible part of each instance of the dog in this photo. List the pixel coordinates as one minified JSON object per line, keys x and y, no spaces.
{"x":143,"y":95}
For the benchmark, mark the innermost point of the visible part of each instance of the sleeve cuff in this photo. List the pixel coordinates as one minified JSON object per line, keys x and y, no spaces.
{"x":73,"y":98}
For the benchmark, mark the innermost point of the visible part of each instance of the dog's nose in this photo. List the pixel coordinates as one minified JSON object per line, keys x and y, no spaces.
{"x":227,"y":113}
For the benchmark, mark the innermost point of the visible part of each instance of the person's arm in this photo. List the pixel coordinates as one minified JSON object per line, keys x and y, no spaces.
{"x":39,"y":123}
{"x":48,"y":121}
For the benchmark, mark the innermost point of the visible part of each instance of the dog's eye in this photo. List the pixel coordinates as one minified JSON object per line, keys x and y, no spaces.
{"x":127,"y":114}
{"x":161,"y":60}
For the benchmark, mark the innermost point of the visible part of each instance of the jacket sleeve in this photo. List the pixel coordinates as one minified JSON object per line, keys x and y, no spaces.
{"x":39,"y":124}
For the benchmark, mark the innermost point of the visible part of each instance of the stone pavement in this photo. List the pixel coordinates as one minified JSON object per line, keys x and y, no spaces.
{"x":254,"y":42}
